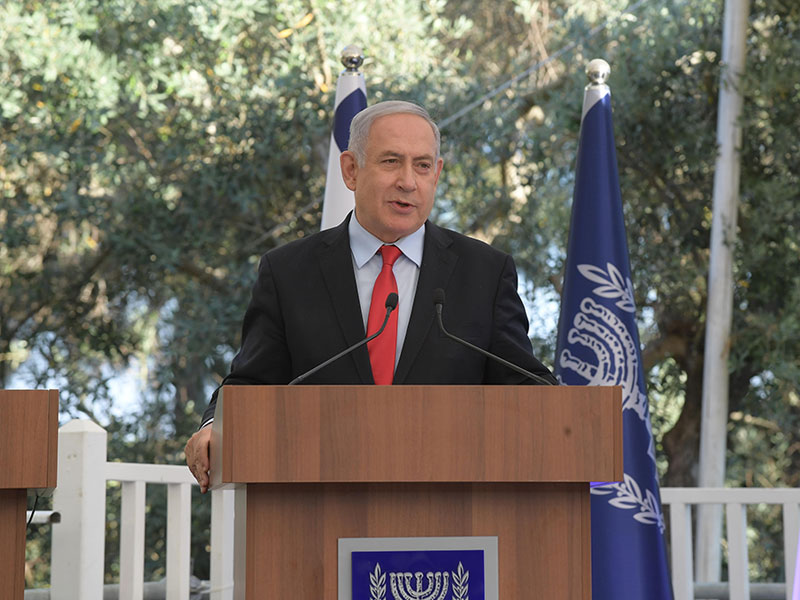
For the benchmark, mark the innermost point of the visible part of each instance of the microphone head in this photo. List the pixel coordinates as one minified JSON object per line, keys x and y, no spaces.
{"x":438,"y":296}
{"x":391,"y":301}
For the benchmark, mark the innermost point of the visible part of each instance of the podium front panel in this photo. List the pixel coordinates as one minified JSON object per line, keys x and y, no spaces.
{"x":543,"y":532}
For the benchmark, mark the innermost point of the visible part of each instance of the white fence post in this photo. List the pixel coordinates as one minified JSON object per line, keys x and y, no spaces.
{"x":131,"y":541}
{"x":179,"y":528}
{"x":738,"y":563}
{"x":680,"y":526}
{"x":239,"y":540}
{"x":78,"y":549}
{"x":222,"y":530}
{"x":791,"y":526}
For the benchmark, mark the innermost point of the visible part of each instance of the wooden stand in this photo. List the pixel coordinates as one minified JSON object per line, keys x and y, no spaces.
{"x":28,"y":459}
{"x":322,"y":463}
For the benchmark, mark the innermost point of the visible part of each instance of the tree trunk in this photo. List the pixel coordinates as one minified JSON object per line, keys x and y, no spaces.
{"x":682,"y":442}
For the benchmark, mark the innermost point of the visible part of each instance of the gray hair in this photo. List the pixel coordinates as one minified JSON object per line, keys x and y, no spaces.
{"x":362,"y":122}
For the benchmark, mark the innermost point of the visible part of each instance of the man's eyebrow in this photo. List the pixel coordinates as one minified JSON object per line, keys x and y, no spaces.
{"x":394,"y":154}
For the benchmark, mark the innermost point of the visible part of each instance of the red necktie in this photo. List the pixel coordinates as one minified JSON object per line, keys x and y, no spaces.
{"x":383,"y":348}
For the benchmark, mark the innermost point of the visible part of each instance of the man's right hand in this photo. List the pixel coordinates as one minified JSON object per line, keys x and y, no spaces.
{"x":197,"y":453}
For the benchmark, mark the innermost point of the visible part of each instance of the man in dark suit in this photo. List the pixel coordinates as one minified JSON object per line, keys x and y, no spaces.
{"x":312,"y":296}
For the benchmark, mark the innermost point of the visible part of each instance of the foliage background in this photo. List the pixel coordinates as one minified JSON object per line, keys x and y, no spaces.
{"x":151,"y":151}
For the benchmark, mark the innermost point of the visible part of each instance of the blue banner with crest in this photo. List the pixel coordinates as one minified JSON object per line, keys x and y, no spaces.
{"x":598,"y":344}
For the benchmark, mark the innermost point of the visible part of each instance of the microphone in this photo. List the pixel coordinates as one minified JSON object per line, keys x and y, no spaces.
{"x":438,"y":301}
{"x":391,"y":304}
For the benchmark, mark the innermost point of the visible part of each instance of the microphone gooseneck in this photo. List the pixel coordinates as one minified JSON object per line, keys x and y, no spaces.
{"x":391,"y":304}
{"x":438,"y":301}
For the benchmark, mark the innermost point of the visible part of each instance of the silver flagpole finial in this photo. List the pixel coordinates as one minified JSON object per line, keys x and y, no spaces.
{"x":597,"y":71}
{"x":352,"y":58}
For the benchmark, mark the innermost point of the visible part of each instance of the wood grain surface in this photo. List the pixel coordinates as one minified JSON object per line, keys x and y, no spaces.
{"x":12,"y":544}
{"x":28,"y":438}
{"x":28,"y":459}
{"x":417,"y":434}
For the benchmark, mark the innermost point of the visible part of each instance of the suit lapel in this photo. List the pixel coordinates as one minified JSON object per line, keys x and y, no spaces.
{"x":438,"y":263}
{"x":336,"y":262}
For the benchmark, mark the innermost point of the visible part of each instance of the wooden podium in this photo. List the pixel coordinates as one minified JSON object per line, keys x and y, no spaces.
{"x":327,"y":462}
{"x":28,"y":459}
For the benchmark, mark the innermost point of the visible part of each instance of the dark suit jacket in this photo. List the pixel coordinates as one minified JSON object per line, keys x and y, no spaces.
{"x":305,"y":308}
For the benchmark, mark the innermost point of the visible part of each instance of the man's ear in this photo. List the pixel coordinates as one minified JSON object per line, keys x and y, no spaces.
{"x":349,"y":166}
{"x":439,"y":165}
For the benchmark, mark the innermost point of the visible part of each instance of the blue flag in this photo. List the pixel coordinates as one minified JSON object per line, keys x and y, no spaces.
{"x":598,"y":344}
{"x":351,"y":98}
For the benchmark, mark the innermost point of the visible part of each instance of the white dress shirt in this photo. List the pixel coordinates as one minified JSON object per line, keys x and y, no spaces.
{"x":367,"y":264}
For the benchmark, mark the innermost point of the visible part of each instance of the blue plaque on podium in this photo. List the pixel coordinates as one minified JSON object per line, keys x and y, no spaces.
{"x":454,"y":568}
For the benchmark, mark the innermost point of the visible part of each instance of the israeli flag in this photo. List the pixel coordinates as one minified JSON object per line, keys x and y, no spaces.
{"x":598,"y":344}
{"x":351,"y":97}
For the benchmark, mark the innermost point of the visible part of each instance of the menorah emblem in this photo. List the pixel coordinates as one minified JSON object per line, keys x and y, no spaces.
{"x":419,"y":585}
{"x":403,"y":588}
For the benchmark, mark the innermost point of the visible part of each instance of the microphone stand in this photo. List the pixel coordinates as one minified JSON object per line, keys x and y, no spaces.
{"x":391,"y":304}
{"x":438,"y":300}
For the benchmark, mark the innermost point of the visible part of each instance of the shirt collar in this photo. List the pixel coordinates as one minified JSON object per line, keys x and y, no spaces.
{"x":364,"y":245}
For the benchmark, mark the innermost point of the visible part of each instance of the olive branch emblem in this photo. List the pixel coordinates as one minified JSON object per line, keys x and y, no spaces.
{"x":377,"y":584}
{"x":612,"y":285}
{"x":629,"y":496}
{"x":461,"y":583}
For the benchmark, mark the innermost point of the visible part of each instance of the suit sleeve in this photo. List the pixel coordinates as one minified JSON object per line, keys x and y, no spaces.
{"x":509,"y":337}
{"x":264,"y":356}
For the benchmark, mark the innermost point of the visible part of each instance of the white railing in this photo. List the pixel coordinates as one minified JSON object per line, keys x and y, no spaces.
{"x":735,"y":501}
{"x":77,"y":561}
{"x":80,"y":499}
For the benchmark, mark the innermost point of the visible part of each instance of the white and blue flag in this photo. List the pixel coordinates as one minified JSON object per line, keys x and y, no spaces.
{"x":351,"y":97}
{"x":598,"y":344}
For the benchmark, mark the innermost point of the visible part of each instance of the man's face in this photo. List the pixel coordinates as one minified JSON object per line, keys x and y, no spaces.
{"x":394,"y":189}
